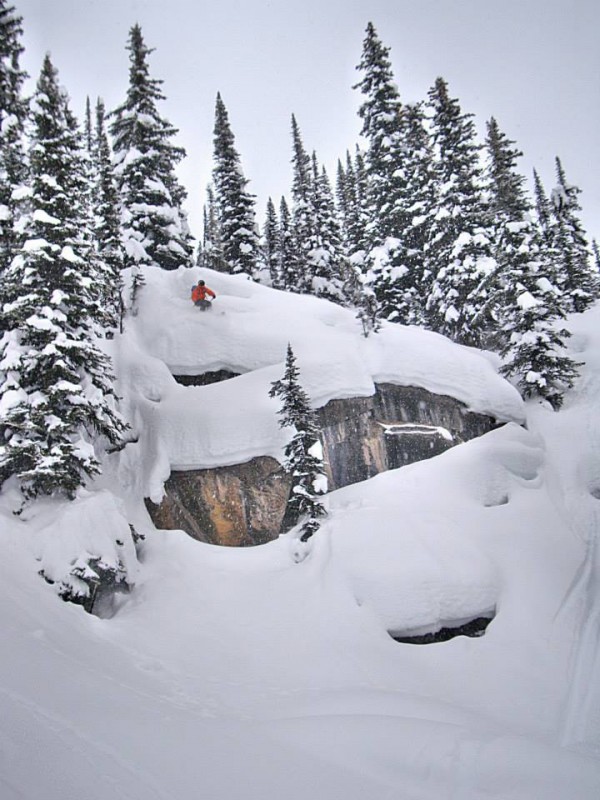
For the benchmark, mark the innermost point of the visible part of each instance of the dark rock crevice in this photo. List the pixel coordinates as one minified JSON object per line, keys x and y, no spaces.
{"x":205,"y":378}
{"x":472,"y":628}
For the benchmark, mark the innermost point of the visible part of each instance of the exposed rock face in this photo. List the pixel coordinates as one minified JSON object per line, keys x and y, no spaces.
{"x":362,"y":436}
{"x":233,"y":506}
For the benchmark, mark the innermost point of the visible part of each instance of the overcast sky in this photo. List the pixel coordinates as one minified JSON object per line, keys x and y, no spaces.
{"x":533,"y":64}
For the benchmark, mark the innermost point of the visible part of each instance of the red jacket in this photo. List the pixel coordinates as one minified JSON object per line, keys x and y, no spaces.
{"x":200,"y":292}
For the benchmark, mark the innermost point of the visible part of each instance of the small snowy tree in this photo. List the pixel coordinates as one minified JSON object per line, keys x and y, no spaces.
{"x":56,"y":393}
{"x":304,"y":453}
{"x":239,"y":237}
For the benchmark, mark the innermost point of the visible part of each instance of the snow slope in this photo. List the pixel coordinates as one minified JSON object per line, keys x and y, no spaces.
{"x":233,"y":674}
{"x":247,"y":331}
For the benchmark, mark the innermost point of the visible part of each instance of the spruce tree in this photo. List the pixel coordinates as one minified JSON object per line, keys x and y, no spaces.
{"x":387,"y":170}
{"x":459,"y":250}
{"x":303,"y":224}
{"x":304,"y":453}
{"x":286,"y":265}
{"x":107,"y":216}
{"x":534,"y":352}
{"x":542,"y":207}
{"x":13,"y":115}
{"x":235,"y":204}
{"x":212,"y":238}
{"x":155,"y":228}
{"x":578,"y":282}
{"x":596,"y":254}
{"x":326,"y":262}
{"x":271,"y":239}
{"x":56,"y":391}
{"x":525,"y":301}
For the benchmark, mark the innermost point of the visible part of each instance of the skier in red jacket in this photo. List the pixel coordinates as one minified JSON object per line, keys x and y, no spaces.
{"x":199,"y":294}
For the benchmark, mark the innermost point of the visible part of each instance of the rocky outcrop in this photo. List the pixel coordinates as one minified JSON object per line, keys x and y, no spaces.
{"x":398,"y":425}
{"x":233,"y":506}
{"x":362,"y":436}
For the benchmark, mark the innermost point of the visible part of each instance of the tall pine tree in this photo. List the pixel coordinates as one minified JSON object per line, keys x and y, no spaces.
{"x":107,"y":218}
{"x":240,"y":241}
{"x":56,"y":390}
{"x":155,"y":228}
{"x":13,"y":116}
{"x":459,"y":250}
{"x":388,"y":201}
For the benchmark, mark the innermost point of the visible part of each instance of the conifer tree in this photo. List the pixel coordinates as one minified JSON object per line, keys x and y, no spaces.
{"x":272,"y":238}
{"x":542,"y":207}
{"x":459,"y":251}
{"x":297,"y":273}
{"x":596,"y":253}
{"x":534,"y":350}
{"x":382,"y":127}
{"x":326,"y":261}
{"x":55,"y":384}
{"x":386,"y":169}
{"x":107,"y":217}
{"x":235,"y":204}
{"x":304,"y":453}
{"x":212,"y":239}
{"x":286,"y":265}
{"x":526,"y":303}
{"x":578,"y":282}
{"x":155,"y":228}
{"x":13,"y":115}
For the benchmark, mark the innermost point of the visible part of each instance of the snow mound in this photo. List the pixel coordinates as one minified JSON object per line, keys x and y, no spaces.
{"x":247,"y":331}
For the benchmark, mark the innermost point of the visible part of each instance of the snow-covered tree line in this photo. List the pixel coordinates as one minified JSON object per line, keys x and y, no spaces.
{"x":426,"y":226}
{"x":419,"y":229}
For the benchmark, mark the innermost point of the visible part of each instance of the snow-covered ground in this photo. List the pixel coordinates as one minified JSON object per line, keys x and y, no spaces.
{"x":231,"y":674}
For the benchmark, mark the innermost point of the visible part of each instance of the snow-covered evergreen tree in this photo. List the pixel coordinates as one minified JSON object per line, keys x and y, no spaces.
{"x":459,"y":251}
{"x":534,"y":352}
{"x":235,"y":204}
{"x":578,"y":281}
{"x":298,"y":277}
{"x":596,"y":254}
{"x":154,"y":225}
{"x":526,"y":304}
{"x":56,"y":394}
{"x":304,"y":453}
{"x":326,"y":260}
{"x":271,"y":240}
{"x":212,"y":239}
{"x":542,"y":208}
{"x":107,"y":219}
{"x":13,"y":115}
{"x":286,"y":266}
{"x":388,"y":200}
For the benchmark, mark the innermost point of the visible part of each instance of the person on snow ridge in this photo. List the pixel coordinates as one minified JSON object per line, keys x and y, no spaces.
{"x":199,"y":293}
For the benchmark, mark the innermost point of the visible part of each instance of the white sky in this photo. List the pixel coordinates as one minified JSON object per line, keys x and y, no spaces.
{"x":533,"y":64}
